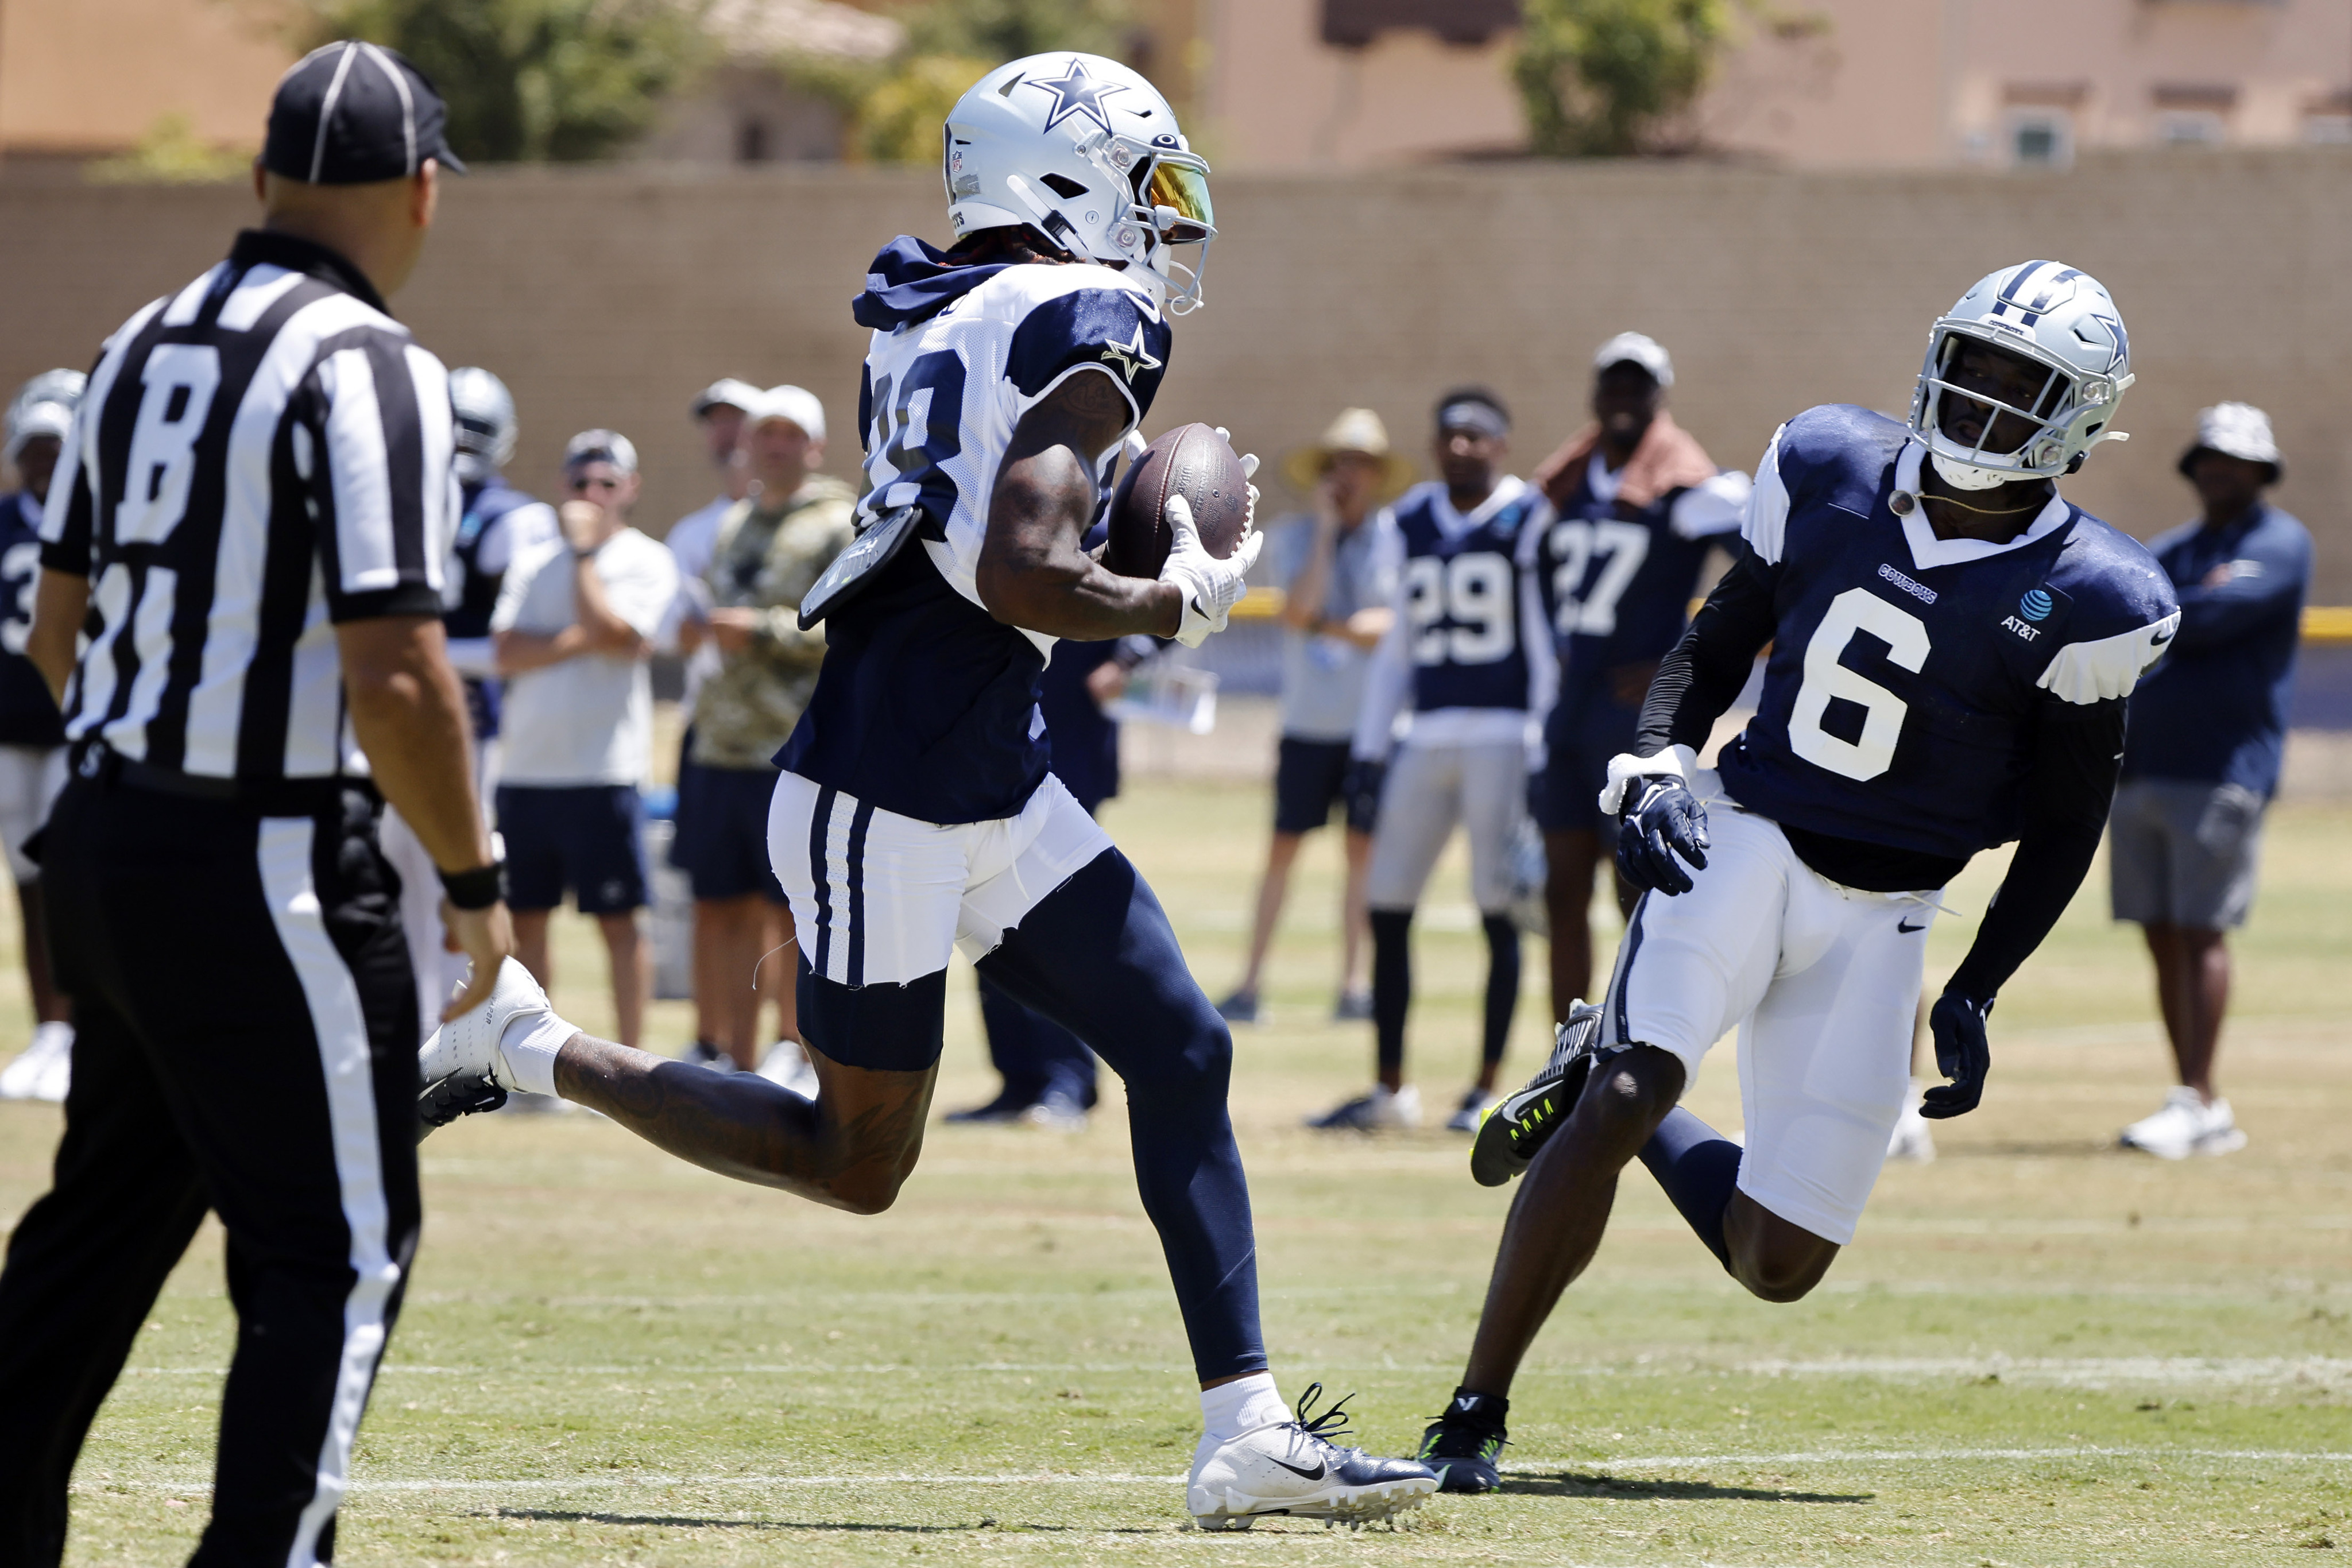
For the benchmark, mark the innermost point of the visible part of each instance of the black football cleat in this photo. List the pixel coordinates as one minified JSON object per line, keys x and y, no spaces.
{"x":1516,"y":1129}
{"x":1462,"y":1444}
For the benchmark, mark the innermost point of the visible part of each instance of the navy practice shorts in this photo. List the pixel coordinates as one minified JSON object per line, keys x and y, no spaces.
{"x":588,"y":838}
{"x":1310,"y":776}
{"x":1580,"y":738}
{"x":721,"y":842}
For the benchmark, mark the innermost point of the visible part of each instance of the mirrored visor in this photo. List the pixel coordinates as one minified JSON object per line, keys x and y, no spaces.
{"x":1184,"y":187}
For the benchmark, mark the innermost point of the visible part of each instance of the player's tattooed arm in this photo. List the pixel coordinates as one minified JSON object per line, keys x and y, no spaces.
{"x":1032,"y":572}
{"x":2077,"y":753}
{"x":850,"y":1148}
{"x":1701,"y":678}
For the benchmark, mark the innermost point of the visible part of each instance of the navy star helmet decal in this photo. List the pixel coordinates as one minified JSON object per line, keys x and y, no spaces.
{"x":1130,"y":357}
{"x":1077,"y":93}
{"x":2119,"y":352}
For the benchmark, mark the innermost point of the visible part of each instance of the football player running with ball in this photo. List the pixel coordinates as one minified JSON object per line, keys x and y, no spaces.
{"x":915,"y":813}
{"x":1952,"y":643}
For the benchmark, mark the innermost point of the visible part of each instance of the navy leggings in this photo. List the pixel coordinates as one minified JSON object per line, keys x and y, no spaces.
{"x":1098,"y":957}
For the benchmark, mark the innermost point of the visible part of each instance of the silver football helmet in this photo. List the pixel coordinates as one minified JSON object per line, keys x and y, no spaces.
{"x":485,"y":414}
{"x":1087,"y":152}
{"x":2060,"y":319}
{"x":43,"y":406}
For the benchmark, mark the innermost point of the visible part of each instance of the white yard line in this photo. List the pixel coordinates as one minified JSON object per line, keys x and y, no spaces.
{"x":195,"y":1484}
{"x":2069,"y":1371}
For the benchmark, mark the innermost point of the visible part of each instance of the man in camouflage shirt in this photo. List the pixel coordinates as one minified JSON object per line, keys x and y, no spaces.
{"x":772,"y":547}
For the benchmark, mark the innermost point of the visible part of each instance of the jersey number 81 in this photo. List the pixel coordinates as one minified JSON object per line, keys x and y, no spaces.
{"x":1474,"y":592}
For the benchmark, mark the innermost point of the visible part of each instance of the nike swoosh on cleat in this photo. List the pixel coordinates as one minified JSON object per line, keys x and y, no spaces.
{"x":1317,"y":1474}
{"x":1905,"y":925}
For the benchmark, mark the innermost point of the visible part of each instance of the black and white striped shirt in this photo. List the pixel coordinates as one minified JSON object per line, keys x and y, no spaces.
{"x":259,"y":457}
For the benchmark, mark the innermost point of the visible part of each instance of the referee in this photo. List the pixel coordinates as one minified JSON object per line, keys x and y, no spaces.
{"x":249,"y":523}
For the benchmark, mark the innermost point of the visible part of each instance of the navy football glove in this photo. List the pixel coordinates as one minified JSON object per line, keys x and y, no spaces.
{"x":1962,"y":1055}
{"x":1662,"y":821}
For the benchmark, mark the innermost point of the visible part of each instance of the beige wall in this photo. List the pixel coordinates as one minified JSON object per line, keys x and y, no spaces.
{"x":92,"y":75}
{"x":608,"y":296}
{"x":1886,"y":84}
{"x":1275,"y":96}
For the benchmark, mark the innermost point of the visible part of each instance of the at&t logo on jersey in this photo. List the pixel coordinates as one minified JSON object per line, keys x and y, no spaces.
{"x":2034,"y":608}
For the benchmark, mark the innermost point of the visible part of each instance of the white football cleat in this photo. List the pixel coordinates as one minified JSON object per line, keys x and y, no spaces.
{"x":460,"y":1067}
{"x":1292,"y":1469}
{"x":45,"y":1068}
{"x":2186,"y":1125}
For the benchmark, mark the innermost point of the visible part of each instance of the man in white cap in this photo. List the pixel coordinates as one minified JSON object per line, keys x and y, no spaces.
{"x":1336,"y":567}
{"x":32,"y":731}
{"x":574,"y":629}
{"x":2201,"y":758}
{"x":771,"y":549}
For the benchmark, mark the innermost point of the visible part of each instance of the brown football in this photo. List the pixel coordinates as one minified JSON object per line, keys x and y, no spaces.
{"x":1192,"y":461}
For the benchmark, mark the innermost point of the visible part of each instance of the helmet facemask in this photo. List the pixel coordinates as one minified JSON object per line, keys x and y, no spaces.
{"x":1166,"y":197}
{"x":2063,"y":365}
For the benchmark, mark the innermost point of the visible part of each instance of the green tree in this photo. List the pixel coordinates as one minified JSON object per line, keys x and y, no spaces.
{"x":1001,"y":30}
{"x":1601,"y":79}
{"x":532,"y":80}
{"x":895,"y":107}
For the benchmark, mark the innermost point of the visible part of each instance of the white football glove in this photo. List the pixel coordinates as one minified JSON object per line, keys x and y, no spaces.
{"x":1211,"y":587}
{"x":1249,"y":471}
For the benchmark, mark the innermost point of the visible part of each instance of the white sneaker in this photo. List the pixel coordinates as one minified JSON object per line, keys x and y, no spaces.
{"x":1912,"y":1140}
{"x":787,"y":1064}
{"x":461,"y":1067}
{"x":1290,"y":1468}
{"x":1383,"y":1110}
{"x":1472,"y":1110}
{"x":44,"y":1069}
{"x":2221,"y":1134}
{"x":2186,"y":1125}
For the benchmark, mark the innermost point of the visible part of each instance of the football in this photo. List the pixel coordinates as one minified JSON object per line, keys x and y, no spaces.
{"x":1192,"y":461}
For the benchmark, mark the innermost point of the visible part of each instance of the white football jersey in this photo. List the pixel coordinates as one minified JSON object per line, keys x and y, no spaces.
{"x":941,"y":396}
{"x":927,"y":704}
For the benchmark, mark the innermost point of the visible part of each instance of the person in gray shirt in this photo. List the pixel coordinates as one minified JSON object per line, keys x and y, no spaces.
{"x":1336,"y":567}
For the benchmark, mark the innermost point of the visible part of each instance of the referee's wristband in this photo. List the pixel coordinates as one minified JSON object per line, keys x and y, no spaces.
{"x":476,"y":889}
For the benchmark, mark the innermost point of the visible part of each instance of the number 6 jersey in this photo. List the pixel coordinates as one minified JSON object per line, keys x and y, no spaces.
{"x":1905,"y":669}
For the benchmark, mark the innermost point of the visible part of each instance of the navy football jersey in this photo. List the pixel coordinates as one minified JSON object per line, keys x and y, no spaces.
{"x":927,"y":704}
{"x":1617,"y":580}
{"x":1464,"y":625}
{"x":1905,"y":669}
{"x":487,"y":542}
{"x":28,"y":715}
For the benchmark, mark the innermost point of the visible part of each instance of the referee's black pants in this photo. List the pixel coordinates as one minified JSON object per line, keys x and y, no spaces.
{"x":245,"y":1042}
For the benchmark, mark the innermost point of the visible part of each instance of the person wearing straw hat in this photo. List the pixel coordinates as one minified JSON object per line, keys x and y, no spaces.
{"x":2201,"y":758}
{"x":1336,"y":567}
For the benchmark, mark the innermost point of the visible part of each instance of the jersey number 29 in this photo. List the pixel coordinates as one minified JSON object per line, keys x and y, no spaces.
{"x":1905,"y":636}
{"x":1473,"y":592}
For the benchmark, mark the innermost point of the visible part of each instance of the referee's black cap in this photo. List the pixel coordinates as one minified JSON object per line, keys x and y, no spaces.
{"x":353,"y":114}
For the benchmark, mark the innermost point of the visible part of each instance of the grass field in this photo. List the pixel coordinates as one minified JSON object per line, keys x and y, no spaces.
{"x":2039,"y":1350}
